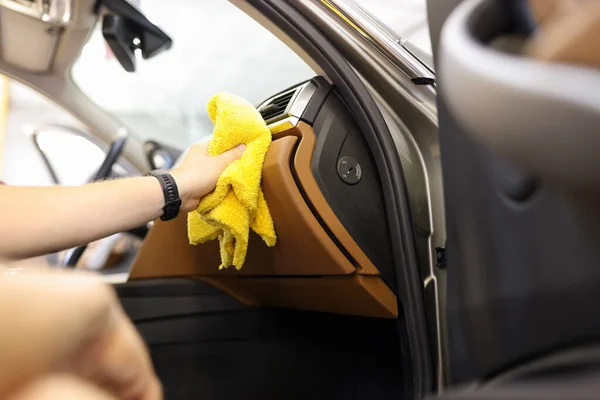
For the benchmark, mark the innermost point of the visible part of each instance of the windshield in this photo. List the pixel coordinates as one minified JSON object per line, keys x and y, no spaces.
{"x":216,"y":47}
{"x":165,"y":99}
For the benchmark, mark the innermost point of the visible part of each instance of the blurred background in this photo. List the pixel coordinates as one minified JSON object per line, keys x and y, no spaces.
{"x":165,"y":99}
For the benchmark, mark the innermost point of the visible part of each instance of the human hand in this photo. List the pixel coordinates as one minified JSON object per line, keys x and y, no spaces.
{"x":69,"y":338}
{"x":198,"y":172}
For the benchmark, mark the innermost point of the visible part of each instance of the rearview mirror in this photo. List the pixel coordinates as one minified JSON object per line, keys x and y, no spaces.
{"x":126,"y":30}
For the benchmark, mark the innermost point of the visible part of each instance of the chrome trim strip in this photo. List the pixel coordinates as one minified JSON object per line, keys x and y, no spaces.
{"x":359,"y":50}
{"x":294,"y":109}
{"x":419,"y":54}
{"x":283,"y":125}
{"x":270,"y":100}
{"x":301,"y":100}
{"x":380,"y":37}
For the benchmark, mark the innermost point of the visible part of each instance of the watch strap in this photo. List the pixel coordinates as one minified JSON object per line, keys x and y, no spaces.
{"x":170,"y":192}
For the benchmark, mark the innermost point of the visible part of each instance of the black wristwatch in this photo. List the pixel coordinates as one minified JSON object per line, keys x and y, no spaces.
{"x":169,"y":187}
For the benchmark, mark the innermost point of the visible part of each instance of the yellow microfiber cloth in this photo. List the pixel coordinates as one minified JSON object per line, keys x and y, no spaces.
{"x":237,"y":203}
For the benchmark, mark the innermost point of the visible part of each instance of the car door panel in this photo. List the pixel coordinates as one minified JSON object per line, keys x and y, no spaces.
{"x":522,"y":280}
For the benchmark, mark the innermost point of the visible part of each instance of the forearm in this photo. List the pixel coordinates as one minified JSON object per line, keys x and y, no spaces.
{"x":35,"y":221}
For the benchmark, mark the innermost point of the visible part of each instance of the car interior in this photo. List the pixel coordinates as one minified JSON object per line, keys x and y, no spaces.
{"x":334,"y":253}
{"x":381,"y":176}
{"x":520,"y":206}
{"x":319,"y":310}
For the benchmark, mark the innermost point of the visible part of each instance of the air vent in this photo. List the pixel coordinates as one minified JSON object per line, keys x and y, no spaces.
{"x":277,"y":106}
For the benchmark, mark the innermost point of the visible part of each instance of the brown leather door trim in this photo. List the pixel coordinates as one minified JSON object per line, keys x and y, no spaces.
{"x":353,"y":295}
{"x":302,"y":168}
{"x":303,"y":246}
{"x":568,"y":34}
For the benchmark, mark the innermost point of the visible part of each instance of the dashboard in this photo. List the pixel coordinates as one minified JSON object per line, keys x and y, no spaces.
{"x":334,"y":252}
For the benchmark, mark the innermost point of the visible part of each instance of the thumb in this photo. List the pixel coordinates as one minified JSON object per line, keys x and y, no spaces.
{"x":230,"y":156}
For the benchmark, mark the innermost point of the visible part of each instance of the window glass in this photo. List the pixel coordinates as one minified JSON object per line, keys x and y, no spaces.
{"x":25,"y":112}
{"x":216,"y":47}
{"x":43,"y":144}
{"x":406,"y":18}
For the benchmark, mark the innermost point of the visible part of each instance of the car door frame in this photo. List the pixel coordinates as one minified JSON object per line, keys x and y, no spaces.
{"x":325,"y":34}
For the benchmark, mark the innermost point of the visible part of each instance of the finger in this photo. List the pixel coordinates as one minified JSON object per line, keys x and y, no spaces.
{"x":73,"y":322}
{"x":230,"y":156}
{"x":119,"y":362}
{"x":60,"y":387}
{"x":51,"y":315}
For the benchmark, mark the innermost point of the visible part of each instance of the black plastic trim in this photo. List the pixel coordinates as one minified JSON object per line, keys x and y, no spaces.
{"x":419,"y":371}
{"x":164,"y":287}
{"x":359,"y":206}
{"x":166,"y":299}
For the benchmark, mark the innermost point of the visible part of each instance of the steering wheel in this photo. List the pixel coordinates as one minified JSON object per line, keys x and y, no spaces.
{"x":112,"y":155}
